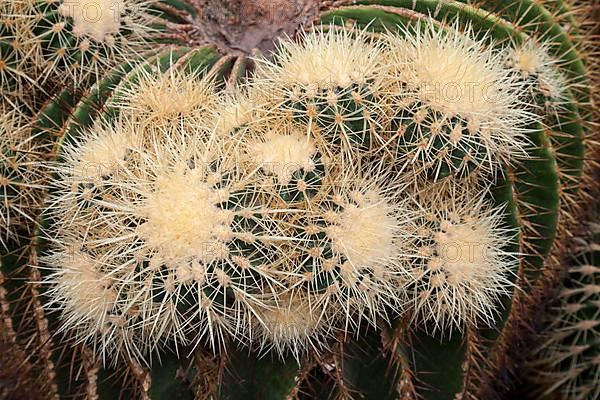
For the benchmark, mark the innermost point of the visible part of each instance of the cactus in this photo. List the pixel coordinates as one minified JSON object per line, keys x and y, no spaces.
{"x":64,"y":119}
{"x":456,"y":108}
{"x":19,"y":177}
{"x":329,"y":81}
{"x":164,"y":263}
{"x":209,"y":245}
{"x":290,"y":235}
{"x":465,"y":267}
{"x":566,"y":360}
{"x":50,"y":43}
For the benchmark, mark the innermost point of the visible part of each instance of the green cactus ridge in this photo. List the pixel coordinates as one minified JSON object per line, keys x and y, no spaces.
{"x":354,"y":216}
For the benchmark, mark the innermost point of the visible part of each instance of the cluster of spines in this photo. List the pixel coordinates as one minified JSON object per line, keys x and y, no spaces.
{"x":546,"y":84}
{"x":329,"y":84}
{"x":455,"y":109}
{"x":291,"y":212}
{"x":180,"y":238}
{"x":20,"y":176}
{"x":464,"y":266}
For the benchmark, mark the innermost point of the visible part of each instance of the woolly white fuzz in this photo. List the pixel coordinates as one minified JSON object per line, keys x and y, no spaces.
{"x":364,"y":231}
{"x":183,"y":219}
{"x":283,"y":154}
{"x":98,"y":19}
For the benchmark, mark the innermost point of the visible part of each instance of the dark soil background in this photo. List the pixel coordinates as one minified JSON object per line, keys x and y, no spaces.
{"x":243,"y":26}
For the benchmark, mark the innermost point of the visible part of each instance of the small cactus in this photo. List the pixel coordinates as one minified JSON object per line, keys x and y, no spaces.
{"x":180,"y":238}
{"x":456,"y":108}
{"x":464,"y":267}
{"x":534,"y":65}
{"x":51,"y":43}
{"x":329,"y":83}
{"x":350,"y":242}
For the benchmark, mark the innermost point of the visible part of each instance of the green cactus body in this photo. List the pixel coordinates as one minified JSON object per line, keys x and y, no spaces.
{"x":411,"y":128}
